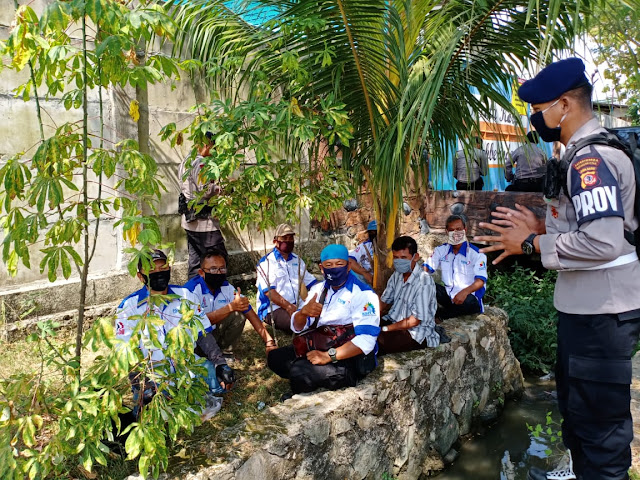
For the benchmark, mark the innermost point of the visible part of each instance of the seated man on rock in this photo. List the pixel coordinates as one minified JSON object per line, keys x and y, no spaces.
{"x":337,"y":326}
{"x":156,"y":282}
{"x":361,"y":258}
{"x":280,"y":277}
{"x":223,"y":305}
{"x":410,"y":302}
{"x":464,"y":272}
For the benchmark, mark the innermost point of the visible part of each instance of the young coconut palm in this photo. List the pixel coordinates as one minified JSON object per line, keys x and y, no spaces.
{"x":411,"y":73}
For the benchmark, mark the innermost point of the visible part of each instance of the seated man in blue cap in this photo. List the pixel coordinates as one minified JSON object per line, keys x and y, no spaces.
{"x":587,"y":237}
{"x":361,"y":257}
{"x":337,"y":326}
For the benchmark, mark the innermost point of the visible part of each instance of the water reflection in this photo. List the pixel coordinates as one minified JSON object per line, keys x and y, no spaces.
{"x":506,"y":449}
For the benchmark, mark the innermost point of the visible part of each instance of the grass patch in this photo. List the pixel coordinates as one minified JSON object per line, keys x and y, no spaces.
{"x":256,"y":388}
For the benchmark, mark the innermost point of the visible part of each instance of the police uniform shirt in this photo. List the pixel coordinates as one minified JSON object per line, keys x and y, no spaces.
{"x":461,"y":270}
{"x":211,"y":301}
{"x":597,"y":269}
{"x":136,"y":304}
{"x":470,"y":170}
{"x":529,"y":160}
{"x":274,"y":271}
{"x":354,"y":303}
{"x":417,"y":297}
{"x":363,"y":254}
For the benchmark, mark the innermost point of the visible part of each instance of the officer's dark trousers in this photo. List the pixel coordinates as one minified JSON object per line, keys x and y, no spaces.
{"x":593,"y":377}
{"x":307,"y":377}
{"x":475,"y":185}
{"x":448,"y":309}
{"x":526,"y":185}
{"x":200,"y":242}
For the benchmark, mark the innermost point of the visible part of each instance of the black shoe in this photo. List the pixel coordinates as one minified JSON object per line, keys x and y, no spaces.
{"x":286,"y":396}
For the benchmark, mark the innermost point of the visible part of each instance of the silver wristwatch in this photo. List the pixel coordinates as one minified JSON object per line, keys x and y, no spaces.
{"x":332,"y":353}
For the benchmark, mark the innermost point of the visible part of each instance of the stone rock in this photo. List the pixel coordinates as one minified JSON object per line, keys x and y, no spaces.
{"x":258,"y":467}
{"x":402,"y":419}
{"x":455,"y":366}
{"x":450,"y":457}
{"x":317,"y":432}
{"x":339,"y":426}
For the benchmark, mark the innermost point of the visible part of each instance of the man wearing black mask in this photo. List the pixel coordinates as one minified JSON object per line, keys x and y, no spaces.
{"x":224,"y":306}
{"x":156,"y":279}
{"x":587,"y":237}
{"x":280,"y":278}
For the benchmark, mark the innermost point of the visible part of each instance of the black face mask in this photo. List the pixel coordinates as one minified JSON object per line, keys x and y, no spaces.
{"x":546,"y":133}
{"x":214,"y":280}
{"x":286,"y":247}
{"x":157,"y":281}
{"x":372,"y":235}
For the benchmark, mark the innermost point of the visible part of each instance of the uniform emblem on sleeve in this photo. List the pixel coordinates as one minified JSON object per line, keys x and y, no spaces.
{"x":120,"y":328}
{"x":587,"y":168}
{"x":595,"y":192}
{"x":368,"y":310}
{"x":554,"y":212}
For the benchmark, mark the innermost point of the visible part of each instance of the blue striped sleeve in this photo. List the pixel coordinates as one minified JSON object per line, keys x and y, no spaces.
{"x":367,"y":330}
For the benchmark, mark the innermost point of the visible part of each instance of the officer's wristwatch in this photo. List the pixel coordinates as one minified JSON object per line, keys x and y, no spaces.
{"x":527,"y":246}
{"x":332,"y":354}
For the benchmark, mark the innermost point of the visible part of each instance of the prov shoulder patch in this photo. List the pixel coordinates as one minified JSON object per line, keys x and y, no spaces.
{"x":595,"y":192}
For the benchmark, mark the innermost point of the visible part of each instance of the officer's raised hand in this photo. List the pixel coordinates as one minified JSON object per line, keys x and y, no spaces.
{"x":239,"y":303}
{"x":504,"y":216}
{"x":509,"y":239}
{"x":312,"y":308}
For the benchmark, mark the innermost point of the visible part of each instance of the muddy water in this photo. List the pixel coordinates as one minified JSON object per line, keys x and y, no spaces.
{"x":506,"y":449}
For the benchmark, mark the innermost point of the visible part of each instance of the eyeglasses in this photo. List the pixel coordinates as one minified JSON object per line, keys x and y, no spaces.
{"x":214,"y":270}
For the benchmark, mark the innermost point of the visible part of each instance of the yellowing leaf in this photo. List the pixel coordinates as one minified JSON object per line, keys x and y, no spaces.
{"x":131,"y":235}
{"x":295,"y":109}
{"x":134,"y":110}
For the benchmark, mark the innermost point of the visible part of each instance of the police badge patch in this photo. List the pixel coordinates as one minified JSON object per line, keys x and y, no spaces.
{"x":595,"y":192}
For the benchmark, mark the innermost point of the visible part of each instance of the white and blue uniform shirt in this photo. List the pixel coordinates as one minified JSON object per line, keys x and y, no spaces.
{"x":363,"y":254}
{"x":136,"y":304}
{"x":211,"y":301}
{"x":274,"y":271}
{"x":461,"y":270}
{"x":354,"y":303}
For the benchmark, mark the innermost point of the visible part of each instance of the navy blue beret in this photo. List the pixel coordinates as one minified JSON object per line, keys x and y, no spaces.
{"x":554,"y":80}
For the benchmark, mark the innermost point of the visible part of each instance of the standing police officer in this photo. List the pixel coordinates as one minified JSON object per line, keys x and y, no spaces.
{"x":596,"y":294}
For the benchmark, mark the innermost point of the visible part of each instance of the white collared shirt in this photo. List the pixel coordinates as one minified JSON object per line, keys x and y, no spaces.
{"x":417,"y":297}
{"x":461,"y":270}
{"x":354,"y":303}
{"x":136,"y":304}
{"x":211,"y":301}
{"x":363,"y":254}
{"x":282,"y":275}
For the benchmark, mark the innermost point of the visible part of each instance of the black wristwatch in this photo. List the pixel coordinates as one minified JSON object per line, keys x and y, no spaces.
{"x":527,"y":246}
{"x":332,"y":354}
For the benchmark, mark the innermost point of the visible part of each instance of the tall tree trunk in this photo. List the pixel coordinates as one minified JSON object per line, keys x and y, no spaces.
{"x":84,"y":213}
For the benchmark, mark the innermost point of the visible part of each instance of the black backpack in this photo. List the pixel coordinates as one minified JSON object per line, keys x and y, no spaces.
{"x":625,"y":139}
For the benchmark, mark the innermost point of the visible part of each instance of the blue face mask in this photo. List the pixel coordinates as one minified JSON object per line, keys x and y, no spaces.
{"x":402,"y":265}
{"x":336,"y":276}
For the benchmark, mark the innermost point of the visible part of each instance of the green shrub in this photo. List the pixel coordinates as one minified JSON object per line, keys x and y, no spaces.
{"x":527,"y":297}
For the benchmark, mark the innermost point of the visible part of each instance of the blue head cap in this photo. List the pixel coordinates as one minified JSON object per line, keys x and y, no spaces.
{"x":554,"y":80}
{"x":334,"y":251}
{"x":373,"y":225}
